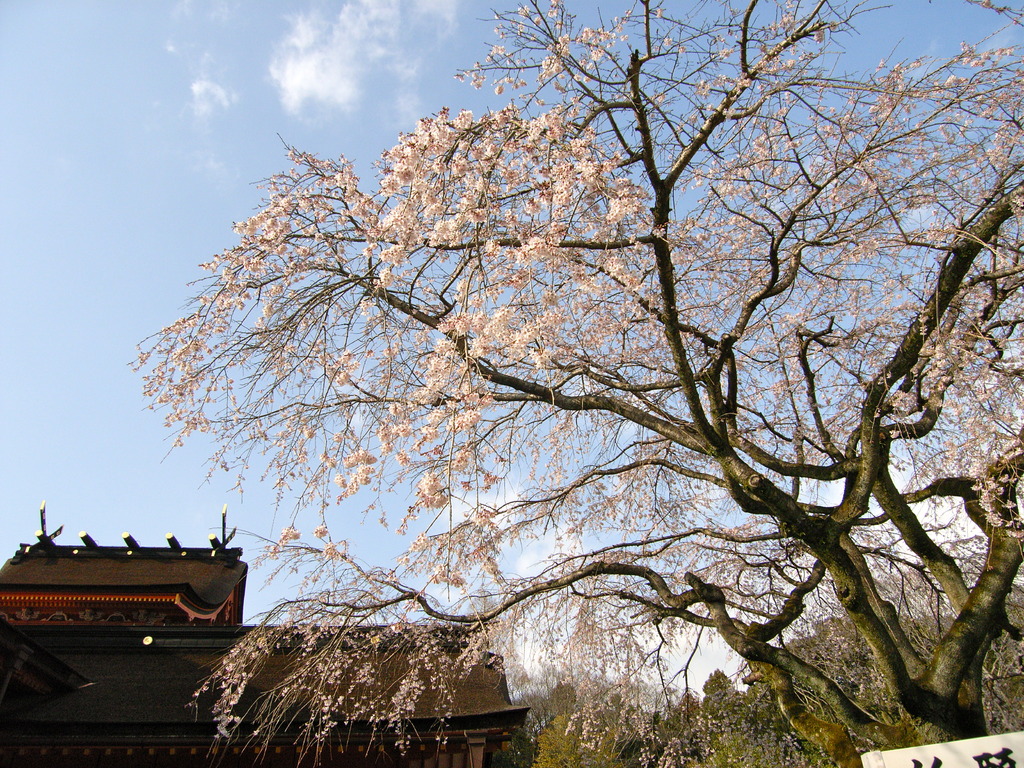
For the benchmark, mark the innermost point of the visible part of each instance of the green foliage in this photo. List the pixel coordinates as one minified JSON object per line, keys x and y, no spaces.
{"x":746,"y":728}
{"x":521,"y":751}
{"x":548,"y":698}
{"x":574,"y":726}
{"x":564,"y":744}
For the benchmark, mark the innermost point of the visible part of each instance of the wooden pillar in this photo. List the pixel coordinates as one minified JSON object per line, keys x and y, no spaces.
{"x":476,"y":752}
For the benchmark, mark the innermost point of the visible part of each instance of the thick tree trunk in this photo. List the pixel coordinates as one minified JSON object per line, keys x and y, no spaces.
{"x":833,"y":739}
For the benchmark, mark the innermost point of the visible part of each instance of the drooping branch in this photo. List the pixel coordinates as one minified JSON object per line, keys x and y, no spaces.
{"x":690,"y":303}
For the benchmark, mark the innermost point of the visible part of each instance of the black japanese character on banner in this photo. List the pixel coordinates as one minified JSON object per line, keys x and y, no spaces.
{"x":1000,"y":759}
{"x":936,"y":763}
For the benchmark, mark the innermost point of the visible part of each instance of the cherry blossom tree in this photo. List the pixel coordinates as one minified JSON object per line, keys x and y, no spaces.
{"x":705,"y":329}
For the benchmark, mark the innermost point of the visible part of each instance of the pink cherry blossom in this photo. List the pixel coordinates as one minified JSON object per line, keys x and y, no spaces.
{"x":702,"y":330}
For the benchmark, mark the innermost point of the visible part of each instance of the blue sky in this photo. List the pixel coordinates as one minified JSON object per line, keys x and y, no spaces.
{"x":132,"y":137}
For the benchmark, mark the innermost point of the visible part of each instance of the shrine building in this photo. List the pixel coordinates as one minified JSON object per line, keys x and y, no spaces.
{"x":102,"y":650}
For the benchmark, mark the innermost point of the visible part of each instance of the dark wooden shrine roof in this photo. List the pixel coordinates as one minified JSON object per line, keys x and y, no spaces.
{"x":205,"y":576}
{"x":29,"y":669}
{"x":118,"y":687}
{"x":143,"y":680}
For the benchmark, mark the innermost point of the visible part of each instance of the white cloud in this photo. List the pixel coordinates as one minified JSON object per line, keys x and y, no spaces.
{"x":408,"y":106}
{"x":325,"y":63}
{"x":328,"y":63}
{"x":213,"y":168}
{"x":208,"y":97}
{"x":443,"y":10}
{"x":217,"y":10}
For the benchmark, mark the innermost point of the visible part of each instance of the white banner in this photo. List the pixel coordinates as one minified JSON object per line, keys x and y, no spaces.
{"x":1006,"y":751}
